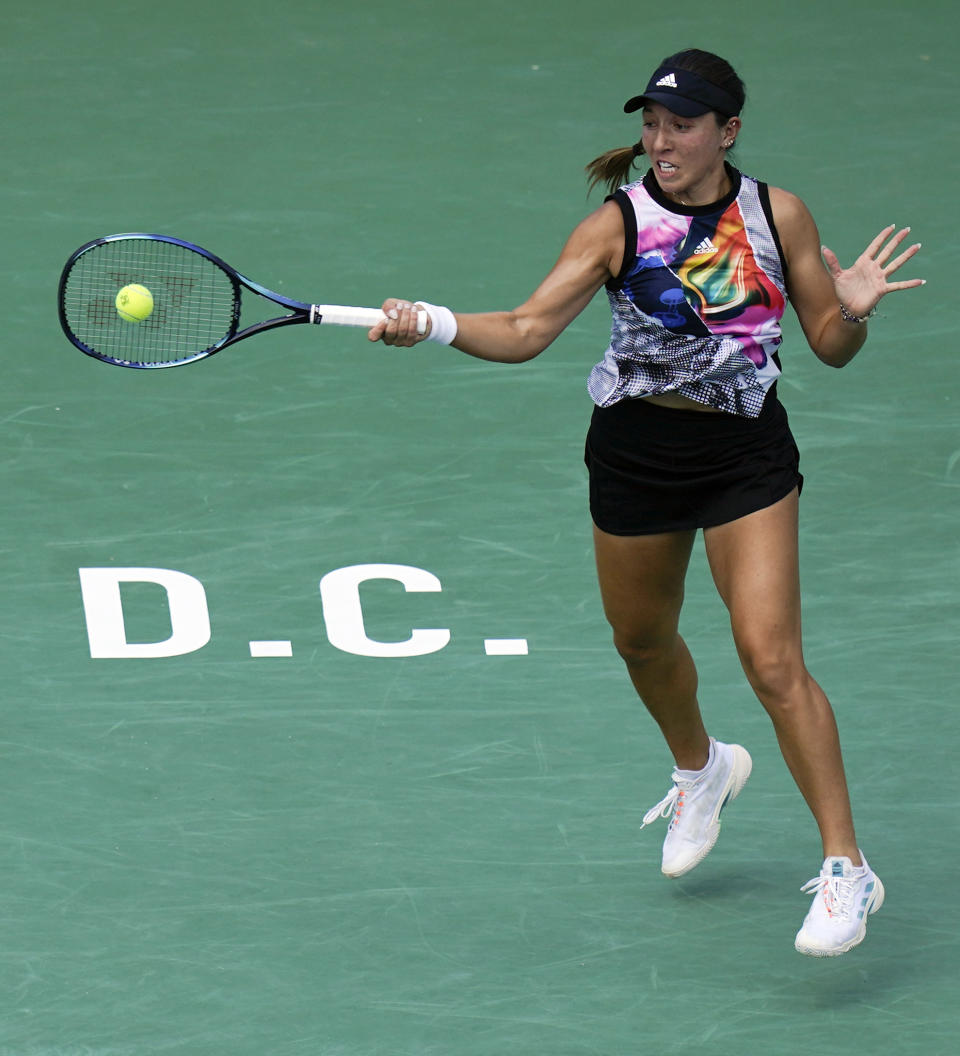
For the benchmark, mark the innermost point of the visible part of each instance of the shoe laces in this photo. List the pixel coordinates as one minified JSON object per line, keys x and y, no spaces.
{"x":837,"y":892}
{"x":672,"y":803}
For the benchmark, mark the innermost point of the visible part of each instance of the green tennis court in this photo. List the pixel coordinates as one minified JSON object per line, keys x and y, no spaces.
{"x":303,"y":833}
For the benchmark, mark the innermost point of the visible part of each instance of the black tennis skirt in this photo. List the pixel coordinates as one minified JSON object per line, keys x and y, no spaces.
{"x":659,"y":469}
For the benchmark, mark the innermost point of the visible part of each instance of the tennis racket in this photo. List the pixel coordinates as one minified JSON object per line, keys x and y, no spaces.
{"x":197,"y":298}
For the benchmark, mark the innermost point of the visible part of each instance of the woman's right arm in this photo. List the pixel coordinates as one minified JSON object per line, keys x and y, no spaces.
{"x":592,"y":255}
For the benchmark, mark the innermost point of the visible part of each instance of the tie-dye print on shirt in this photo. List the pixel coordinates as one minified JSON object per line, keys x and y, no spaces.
{"x":697,"y":309}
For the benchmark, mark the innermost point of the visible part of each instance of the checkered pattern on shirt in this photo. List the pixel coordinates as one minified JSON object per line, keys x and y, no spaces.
{"x":652,"y":359}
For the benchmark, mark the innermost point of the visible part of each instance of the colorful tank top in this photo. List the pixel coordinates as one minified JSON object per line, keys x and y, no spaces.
{"x":698,"y":302}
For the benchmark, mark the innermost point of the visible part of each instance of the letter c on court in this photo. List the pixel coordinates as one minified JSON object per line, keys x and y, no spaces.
{"x":343,"y":613}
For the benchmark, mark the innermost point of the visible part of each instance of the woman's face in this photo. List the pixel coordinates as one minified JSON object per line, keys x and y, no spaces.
{"x":687,"y":153}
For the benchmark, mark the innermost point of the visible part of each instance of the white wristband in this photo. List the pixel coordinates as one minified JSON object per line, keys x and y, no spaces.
{"x":443,"y":323}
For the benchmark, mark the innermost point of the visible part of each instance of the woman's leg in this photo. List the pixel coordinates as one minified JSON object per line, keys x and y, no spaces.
{"x":755,"y":565}
{"x":641,"y":579}
{"x":641,"y":583}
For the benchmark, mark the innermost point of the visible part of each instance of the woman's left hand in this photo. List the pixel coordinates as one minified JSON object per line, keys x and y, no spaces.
{"x":860,"y":287}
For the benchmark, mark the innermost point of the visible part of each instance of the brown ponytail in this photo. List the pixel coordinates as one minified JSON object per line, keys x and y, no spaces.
{"x":613,"y":167}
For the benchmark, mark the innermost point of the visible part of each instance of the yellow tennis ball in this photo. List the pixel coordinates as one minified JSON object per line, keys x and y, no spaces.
{"x":134,"y":303}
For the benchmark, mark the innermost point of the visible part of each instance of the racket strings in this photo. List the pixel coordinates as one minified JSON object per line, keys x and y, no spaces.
{"x":196,"y":303}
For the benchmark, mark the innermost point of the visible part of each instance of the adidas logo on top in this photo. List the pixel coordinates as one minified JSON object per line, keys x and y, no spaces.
{"x":667,"y":82}
{"x":705,"y":247}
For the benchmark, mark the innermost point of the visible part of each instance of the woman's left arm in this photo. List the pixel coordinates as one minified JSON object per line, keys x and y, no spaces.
{"x":829,"y":300}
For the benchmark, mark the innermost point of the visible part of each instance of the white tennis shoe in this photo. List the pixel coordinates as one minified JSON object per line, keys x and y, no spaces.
{"x":844,"y":896}
{"x":694,"y":805}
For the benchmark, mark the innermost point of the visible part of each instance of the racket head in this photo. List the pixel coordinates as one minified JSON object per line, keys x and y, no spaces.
{"x":196,"y":299}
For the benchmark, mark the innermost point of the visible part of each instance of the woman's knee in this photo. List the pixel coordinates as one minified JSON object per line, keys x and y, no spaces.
{"x":776,"y":673}
{"x":641,"y":647}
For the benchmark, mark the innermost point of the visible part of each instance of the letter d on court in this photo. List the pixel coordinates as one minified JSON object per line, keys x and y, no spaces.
{"x":103,"y":608}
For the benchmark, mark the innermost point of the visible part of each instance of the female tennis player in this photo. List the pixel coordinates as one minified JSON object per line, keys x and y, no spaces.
{"x":687,"y":434}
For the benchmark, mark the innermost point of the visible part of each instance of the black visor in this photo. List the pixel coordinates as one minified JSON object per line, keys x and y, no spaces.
{"x":684,"y":93}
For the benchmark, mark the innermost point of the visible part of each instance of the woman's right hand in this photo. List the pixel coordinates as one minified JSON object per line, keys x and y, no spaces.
{"x":401,"y":324}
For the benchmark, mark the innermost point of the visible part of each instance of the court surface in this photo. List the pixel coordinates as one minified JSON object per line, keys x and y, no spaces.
{"x":326,"y":853}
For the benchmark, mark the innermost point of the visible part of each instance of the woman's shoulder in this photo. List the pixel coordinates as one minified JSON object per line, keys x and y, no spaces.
{"x":787,"y":207}
{"x":795,"y":224}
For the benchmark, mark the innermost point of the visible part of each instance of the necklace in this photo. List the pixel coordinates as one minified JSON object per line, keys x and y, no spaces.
{"x":691,"y":205}
{"x":725,"y":190}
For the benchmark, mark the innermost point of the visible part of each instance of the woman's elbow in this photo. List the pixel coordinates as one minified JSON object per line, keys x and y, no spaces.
{"x":832,"y":359}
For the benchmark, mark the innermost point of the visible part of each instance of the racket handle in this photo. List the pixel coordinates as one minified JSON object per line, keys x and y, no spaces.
{"x":344,"y":315}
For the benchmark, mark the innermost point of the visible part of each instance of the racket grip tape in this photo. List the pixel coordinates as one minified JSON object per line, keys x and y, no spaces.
{"x":344,"y":315}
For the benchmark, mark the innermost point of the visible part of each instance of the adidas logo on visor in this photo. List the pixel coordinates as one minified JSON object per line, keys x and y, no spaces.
{"x":667,"y":82}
